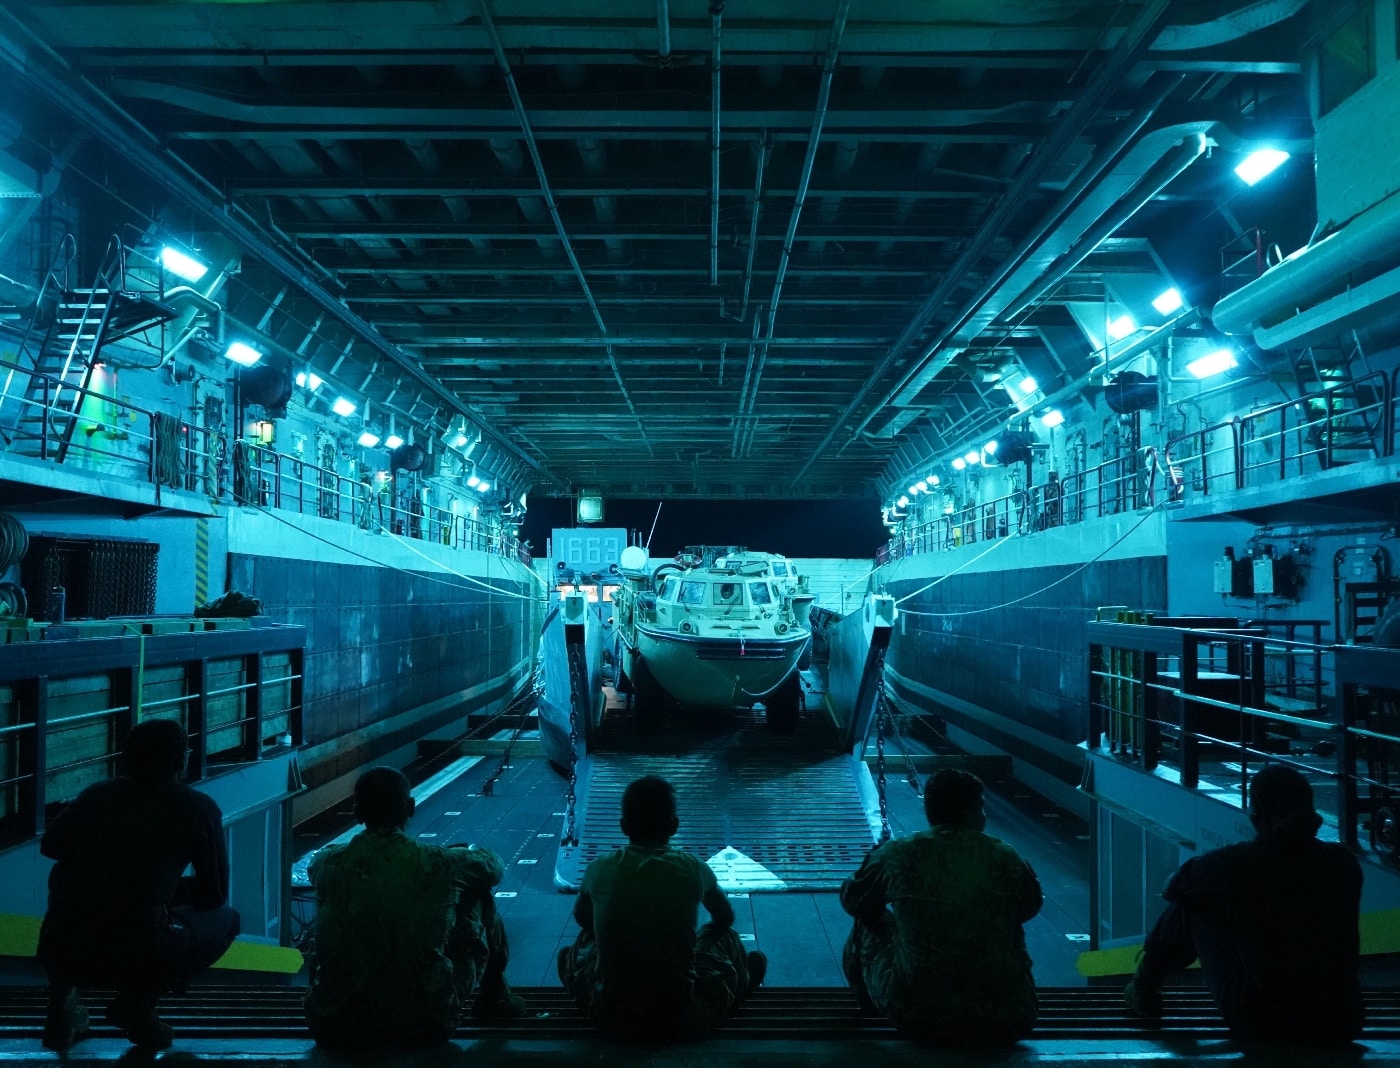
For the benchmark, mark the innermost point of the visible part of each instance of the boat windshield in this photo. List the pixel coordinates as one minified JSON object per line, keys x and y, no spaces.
{"x":760,"y":593}
{"x":692,"y":593}
{"x":667,"y":589}
{"x":729,"y":593}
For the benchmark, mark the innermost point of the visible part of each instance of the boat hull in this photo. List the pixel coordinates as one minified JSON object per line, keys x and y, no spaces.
{"x":718,"y":672}
{"x":557,"y":699}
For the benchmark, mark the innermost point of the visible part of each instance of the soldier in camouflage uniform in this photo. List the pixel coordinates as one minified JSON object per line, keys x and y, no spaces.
{"x":937,"y":944}
{"x":639,"y":967}
{"x":404,"y":932}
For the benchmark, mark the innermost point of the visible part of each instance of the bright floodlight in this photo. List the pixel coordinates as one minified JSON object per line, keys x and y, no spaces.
{"x":1121,"y":327}
{"x":914,"y":490}
{"x":924,"y":484}
{"x":1218,"y":361}
{"x":459,"y":440}
{"x":1168,"y":301}
{"x":1028,"y":386}
{"x":904,"y":502}
{"x":244,"y":355}
{"x":990,"y":448}
{"x":959,"y":463}
{"x":343,"y":407}
{"x":934,"y":480}
{"x":483,"y":487}
{"x":182,"y":265}
{"x":369,"y":439}
{"x":473,"y":481}
{"x":309,"y":380}
{"x":973,"y":456}
{"x":393,"y":441}
{"x":1260,"y":163}
{"x":1053,"y":418}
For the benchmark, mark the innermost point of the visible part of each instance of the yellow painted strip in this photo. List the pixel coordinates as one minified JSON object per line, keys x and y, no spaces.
{"x":1380,"y":933}
{"x":201,"y":561}
{"x":19,"y":937}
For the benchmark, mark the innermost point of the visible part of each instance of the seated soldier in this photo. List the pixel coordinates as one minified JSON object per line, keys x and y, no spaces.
{"x":404,"y":932}
{"x":937,"y":944}
{"x":639,"y":967}
{"x":1272,"y":921}
{"x":120,"y":914}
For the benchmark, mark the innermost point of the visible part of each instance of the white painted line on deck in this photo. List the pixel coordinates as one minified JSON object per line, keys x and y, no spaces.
{"x":421,"y":793}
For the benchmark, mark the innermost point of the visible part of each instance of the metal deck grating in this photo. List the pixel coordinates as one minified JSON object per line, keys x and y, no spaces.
{"x":799,"y":816}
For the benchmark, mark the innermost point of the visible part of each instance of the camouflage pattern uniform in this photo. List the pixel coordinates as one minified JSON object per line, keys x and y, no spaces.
{"x":639,"y":967}
{"x":404,"y":932}
{"x":937,"y":944}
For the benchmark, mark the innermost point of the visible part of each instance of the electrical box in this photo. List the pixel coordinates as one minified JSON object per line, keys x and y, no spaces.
{"x":1264,"y":567}
{"x":1224,"y":576}
{"x":1234,"y":577}
{"x":1277,"y":576}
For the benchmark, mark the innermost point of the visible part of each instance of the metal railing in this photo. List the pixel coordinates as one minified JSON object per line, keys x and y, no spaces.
{"x":241,"y":698}
{"x":265,"y":478}
{"x":1127,"y":484}
{"x":1322,"y":430}
{"x":1214,"y":700}
{"x":96,"y":432}
{"x":104,"y":435}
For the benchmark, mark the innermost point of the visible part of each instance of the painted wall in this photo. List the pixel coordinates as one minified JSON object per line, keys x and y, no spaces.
{"x":404,"y":638}
{"x":999,"y":629}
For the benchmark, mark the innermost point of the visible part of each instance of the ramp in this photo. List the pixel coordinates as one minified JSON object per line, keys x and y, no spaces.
{"x":768,"y":812}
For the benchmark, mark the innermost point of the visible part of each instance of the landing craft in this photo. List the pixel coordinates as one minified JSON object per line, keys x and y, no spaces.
{"x":711,"y":631}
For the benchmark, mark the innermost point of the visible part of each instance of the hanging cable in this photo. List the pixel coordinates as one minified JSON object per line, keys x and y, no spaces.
{"x":1044,"y":589}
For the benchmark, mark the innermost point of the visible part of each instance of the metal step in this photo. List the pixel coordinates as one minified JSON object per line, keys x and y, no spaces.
{"x":812,"y":1013}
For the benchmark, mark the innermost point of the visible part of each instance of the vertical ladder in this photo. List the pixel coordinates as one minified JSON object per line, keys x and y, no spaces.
{"x":1347,"y":406}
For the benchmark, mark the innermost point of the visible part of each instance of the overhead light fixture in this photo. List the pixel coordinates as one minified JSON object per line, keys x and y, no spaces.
{"x":924,"y":484}
{"x":243,"y":354}
{"x":473,"y":481}
{"x":369,"y":439}
{"x":914,"y":489}
{"x":393,"y":441}
{"x":1260,"y":163}
{"x":990,"y":448}
{"x":343,"y":407}
{"x":973,"y":456}
{"x":1053,"y":418}
{"x":934,"y":480}
{"x":309,"y":380}
{"x":1213,"y":364}
{"x":1027,"y":386}
{"x":182,"y":264}
{"x":959,"y":463}
{"x":1168,"y":301}
{"x":1121,"y":327}
{"x":483,"y":487}
{"x":903,"y":502}
{"x":459,"y":440}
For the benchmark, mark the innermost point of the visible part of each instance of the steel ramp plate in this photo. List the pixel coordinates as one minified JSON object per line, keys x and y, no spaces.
{"x":766,"y":819}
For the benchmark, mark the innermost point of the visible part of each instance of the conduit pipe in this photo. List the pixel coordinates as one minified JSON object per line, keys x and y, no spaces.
{"x":33,"y":64}
{"x":765,"y":148}
{"x":1312,"y":273}
{"x":1147,"y":190}
{"x":534,"y":149}
{"x":833,"y":49}
{"x":663,"y":31}
{"x":1105,"y":80}
{"x":716,"y":16}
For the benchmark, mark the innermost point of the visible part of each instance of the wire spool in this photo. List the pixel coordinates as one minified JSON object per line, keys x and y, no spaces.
{"x":13,"y":602}
{"x":408,"y":457}
{"x":14,"y":541}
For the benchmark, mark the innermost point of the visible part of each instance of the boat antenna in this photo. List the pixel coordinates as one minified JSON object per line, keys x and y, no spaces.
{"x":653,"y":525}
